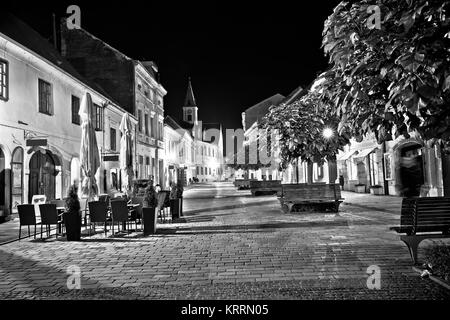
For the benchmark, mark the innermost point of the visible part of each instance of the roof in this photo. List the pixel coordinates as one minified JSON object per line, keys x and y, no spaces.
{"x":189,"y":101}
{"x":294,"y":95}
{"x":259,"y":110}
{"x":19,"y":31}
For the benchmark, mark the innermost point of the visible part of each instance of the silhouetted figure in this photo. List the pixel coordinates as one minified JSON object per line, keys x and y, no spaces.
{"x":411,"y":176}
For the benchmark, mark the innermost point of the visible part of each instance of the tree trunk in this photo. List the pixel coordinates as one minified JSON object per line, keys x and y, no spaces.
{"x":309,"y":178}
{"x":332,"y":170}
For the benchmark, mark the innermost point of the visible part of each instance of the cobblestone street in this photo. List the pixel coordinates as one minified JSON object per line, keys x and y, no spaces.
{"x":229,"y":245}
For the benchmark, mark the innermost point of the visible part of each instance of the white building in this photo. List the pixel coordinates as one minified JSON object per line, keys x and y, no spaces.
{"x":40,"y":130}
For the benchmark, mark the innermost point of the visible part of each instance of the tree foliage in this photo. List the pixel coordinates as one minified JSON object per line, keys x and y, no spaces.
{"x":300,"y":127}
{"x":394,"y":80}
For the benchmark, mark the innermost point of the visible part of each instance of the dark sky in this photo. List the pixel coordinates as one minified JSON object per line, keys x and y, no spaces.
{"x":237,"y":54}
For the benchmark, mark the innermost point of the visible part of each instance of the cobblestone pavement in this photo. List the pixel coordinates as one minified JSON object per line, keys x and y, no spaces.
{"x":229,"y":246}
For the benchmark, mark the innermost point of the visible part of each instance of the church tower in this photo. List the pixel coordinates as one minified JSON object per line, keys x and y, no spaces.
{"x":190,"y":110}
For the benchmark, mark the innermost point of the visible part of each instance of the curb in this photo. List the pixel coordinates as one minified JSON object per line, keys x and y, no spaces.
{"x":433,"y":278}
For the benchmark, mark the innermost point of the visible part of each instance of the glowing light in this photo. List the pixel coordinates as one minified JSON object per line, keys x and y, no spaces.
{"x":328,"y":133}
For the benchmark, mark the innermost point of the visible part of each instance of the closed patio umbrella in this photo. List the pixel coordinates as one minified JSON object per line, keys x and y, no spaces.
{"x":89,"y":155}
{"x":126,"y":153}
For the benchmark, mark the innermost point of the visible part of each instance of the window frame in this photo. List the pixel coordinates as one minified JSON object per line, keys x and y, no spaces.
{"x":75,"y":116}
{"x":5,"y":95}
{"x":98,"y":117}
{"x":49,"y":98}
{"x":112,"y":142}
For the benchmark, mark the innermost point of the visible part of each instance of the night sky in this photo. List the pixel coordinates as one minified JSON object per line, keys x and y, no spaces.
{"x":236,"y":55}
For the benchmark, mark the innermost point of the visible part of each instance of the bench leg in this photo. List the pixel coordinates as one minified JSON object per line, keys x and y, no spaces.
{"x":413,"y":245}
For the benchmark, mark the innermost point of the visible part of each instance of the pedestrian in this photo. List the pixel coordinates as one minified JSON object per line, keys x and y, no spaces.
{"x":341,"y":181}
{"x":411,"y":176}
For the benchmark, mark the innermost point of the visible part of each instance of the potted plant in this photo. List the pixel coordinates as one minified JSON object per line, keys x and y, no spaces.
{"x":360,"y":188}
{"x":149,"y":210}
{"x":376,"y":189}
{"x":72,"y":216}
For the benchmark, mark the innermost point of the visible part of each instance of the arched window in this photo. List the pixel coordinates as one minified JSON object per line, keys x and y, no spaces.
{"x":17,"y":178}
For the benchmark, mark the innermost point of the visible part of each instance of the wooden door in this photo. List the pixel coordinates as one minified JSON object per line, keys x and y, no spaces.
{"x":42,"y":176}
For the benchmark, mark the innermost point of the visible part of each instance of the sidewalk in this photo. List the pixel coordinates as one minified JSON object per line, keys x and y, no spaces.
{"x":390,"y":204}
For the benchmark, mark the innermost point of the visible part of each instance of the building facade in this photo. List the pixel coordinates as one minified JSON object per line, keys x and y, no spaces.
{"x":367,"y":165}
{"x":40,"y":129}
{"x":134,"y":84}
{"x":207,"y":142}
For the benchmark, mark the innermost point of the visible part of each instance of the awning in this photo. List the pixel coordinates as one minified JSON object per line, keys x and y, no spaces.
{"x":363,"y":153}
{"x":345,"y":155}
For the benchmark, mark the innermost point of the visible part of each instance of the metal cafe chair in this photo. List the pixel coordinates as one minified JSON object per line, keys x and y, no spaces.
{"x":50,"y":216}
{"x":138,"y":212}
{"x":27,"y":217}
{"x":98,"y":213}
{"x":119,"y":213}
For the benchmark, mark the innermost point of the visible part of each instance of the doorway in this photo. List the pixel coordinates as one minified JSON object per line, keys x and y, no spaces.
{"x":2,"y":179}
{"x":42,"y":179}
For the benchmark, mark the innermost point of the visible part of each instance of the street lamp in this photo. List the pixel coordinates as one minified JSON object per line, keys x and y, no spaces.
{"x":328,"y":133}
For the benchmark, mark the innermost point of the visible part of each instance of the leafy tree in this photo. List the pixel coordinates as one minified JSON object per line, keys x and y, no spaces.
{"x":300,"y":126}
{"x":392,"y":80}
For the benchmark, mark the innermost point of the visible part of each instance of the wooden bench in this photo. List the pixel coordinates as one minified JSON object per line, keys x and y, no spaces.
{"x":265,"y":187}
{"x":423,"y":218}
{"x":242,"y":184}
{"x":310,"y":197}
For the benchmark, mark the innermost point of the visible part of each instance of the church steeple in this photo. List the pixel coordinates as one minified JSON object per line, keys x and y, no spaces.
{"x":189,"y":101}
{"x":190,"y":110}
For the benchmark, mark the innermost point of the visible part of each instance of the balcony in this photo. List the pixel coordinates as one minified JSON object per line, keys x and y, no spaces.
{"x":160,"y":144}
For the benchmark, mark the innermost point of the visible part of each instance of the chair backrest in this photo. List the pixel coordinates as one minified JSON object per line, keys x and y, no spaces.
{"x":98,"y":211}
{"x":58,"y":203}
{"x":104,"y":198}
{"x":119,"y":210}
{"x":37,"y":200}
{"x":27,"y":214}
{"x":49,"y":214}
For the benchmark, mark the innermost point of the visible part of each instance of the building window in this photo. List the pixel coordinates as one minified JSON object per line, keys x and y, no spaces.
{"x":146,"y":124}
{"x":198,"y":170}
{"x":147,"y":166}
{"x":153,"y":127}
{"x":98,"y":117}
{"x":209,"y":171}
{"x":75,"y":109}
{"x":113,"y":139}
{"x":141,"y":167}
{"x":3,"y":80}
{"x":140,"y":120}
{"x":189,"y":118}
{"x":17,"y":178}
{"x":161,"y":132}
{"x":201,"y":170}
{"x":45,"y":97}
{"x":373,"y":166}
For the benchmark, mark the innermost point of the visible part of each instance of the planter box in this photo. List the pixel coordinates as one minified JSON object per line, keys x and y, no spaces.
{"x":72,"y":222}
{"x":376,"y":191}
{"x":175,"y":208}
{"x":149,"y":220}
{"x":360,"y":189}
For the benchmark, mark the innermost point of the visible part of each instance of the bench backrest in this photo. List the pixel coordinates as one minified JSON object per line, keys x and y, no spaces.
{"x":426,"y":214}
{"x":276,"y":184}
{"x":311,"y":191}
